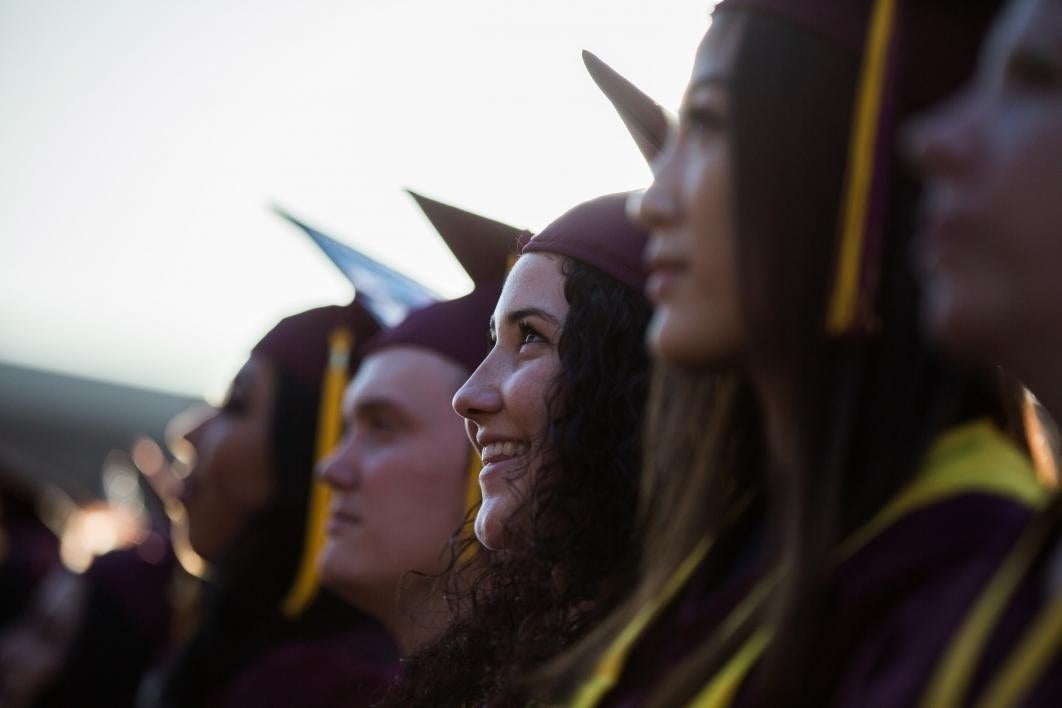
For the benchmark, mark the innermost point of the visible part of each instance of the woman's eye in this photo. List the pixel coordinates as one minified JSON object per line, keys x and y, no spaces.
{"x":700,"y":120}
{"x":381,"y":424}
{"x":529,"y":335}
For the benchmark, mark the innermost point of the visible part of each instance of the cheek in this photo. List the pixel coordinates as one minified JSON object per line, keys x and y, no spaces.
{"x":1001,"y":279}
{"x":700,"y":324}
{"x":249,"y":482}
{"x":526,"y":394}
{"x":415,"y":497}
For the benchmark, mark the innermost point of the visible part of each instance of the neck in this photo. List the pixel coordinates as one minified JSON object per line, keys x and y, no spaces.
{"x":416,"y":616}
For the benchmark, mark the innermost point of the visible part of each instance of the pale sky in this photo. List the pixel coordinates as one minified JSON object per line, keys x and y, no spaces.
{"x":142,"y":142}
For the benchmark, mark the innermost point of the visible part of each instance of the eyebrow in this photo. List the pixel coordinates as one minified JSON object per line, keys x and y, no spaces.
{"x":377,"y":404}
{"x":515,"y":316}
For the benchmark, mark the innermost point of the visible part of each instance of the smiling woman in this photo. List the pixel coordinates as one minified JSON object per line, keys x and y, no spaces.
{"x":555,"y":411}
{"x":503,"y":403}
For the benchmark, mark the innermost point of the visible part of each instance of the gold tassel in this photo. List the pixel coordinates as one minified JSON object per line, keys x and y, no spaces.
{"x":844,"y":299}
{"x":329,"y":428}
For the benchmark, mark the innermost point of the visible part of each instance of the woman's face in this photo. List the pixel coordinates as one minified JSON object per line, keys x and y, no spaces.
{"x":992,"y":233}
{"x":232,"y":478}
{"x":691,"y":254}
{"x":399,"y":477}
{"x":504,"y":403}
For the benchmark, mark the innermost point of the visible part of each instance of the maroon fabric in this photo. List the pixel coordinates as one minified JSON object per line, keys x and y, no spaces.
{"x":455,"y":329}
{"x":351,"y":669}
{"x":299,"y":344}
{"x":938,"y":39}
{"x":458,"y":329}
{"x":1036,"y":591}
{"x":893,"y":607}
{"x":482,"y":246}
{"x":600,"y":234}
{"x":136,"y":581}
{"x":646,"y":120}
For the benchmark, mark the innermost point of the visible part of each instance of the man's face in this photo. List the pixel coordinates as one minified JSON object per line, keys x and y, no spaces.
{"x":399,"y":476}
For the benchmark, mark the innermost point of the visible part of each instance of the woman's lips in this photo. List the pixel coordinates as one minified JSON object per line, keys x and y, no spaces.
{"x":499,"y":456}
{"x":661,"y":280}
{"x":340,"y":519}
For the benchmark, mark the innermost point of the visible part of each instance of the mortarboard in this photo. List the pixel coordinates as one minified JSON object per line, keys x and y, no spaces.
{"x":600,"y":234}
{"x":912,"y":53}
{"x":649,"y":123}
{"x":385,"y":292}
{"x":457,"y":329}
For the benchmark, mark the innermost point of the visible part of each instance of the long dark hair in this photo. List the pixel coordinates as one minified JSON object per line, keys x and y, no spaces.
{"x":241,"y":605}
{"x":859,"y":412}
{"x":571,"y":553}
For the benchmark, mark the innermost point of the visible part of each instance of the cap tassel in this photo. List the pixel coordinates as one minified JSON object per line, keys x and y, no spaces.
{"x":329,"y":427}
{"x":850,"y":298}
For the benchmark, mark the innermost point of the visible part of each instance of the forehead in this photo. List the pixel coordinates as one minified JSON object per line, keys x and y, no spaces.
{"x":256,"y":374}
{"x":410,"y":377}
{"x":536,"y":280}
{"x":718,"y":50}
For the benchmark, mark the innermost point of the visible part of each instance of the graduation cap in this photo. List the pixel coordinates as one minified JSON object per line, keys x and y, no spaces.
{"x":600,"y":234}
{"x":457,"y":329}
{"x":648,"y":122}
{"x":912,"y":53}
{"x":385,"y":292}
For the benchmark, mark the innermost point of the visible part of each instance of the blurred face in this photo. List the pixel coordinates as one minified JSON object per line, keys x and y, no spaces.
{"x":992,"y":237}
{"x":399,"y":476}
{"x":504,"y":402}
{"x":693,"y":275}
{"x":232,"y":478}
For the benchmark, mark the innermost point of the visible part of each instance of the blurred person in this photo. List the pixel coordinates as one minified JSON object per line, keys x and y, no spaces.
{"x":404,"y":476}
{"x":989,"y":251}
{"x":267,"y":634}
{"x":827,"y":496}
{"x":123,"y":625}
{"x":554,"y":412}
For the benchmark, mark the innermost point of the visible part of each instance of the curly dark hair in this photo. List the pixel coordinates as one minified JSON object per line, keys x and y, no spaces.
{"x":571,"y":552}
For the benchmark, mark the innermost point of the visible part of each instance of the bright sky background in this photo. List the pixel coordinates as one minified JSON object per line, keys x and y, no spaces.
{"x":143,"y":140}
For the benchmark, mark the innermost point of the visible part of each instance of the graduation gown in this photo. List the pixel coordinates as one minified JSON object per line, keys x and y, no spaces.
{"x":349,"y":669}
{"x":901,"y":586}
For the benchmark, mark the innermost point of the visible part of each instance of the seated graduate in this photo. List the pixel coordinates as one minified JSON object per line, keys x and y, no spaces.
{"x":404,"y":476}
{"x":990,"y":252}
{"x":266,"y":635}
{"x":828,"y":503}
{"x":555,"y":412}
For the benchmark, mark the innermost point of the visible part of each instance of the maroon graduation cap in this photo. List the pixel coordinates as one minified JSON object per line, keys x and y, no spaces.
{"x":457,"y":329}
{"x":600,"y":234}
{"x":648,"y":122}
